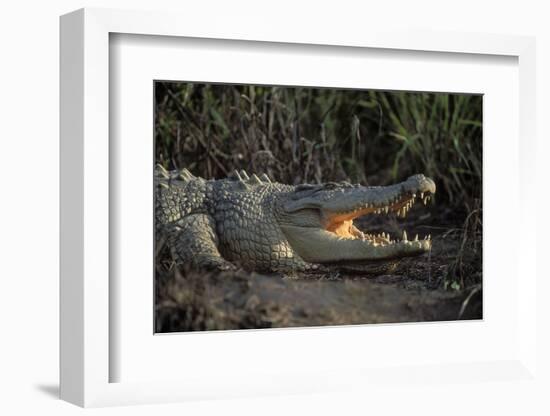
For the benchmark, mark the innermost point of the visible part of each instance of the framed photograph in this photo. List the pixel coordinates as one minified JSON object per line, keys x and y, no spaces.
{"x":314,"y":243}
{"x":321,"y":201}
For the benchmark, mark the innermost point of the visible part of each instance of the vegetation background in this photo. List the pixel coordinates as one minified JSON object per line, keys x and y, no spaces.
{"x":312,"y":135}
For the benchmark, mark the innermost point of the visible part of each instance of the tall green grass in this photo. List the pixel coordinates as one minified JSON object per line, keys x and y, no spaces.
{"x":438,"y":134}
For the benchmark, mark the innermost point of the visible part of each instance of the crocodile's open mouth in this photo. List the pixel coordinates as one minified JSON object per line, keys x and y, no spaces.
{"x":342,"y":227}
{"x":319,"y":221}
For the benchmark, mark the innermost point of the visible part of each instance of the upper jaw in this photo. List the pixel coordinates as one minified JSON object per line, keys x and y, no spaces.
{"x":397,"y":198}
{"x":351,"y":198}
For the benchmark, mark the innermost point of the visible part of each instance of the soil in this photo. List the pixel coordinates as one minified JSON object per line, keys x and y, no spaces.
{"x":440,"y":286}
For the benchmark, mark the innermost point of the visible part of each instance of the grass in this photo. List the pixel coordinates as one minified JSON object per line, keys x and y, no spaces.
{"x":313,"y":135}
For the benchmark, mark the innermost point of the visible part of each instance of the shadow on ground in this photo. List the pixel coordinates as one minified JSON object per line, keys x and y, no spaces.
{"x":51,"y":390}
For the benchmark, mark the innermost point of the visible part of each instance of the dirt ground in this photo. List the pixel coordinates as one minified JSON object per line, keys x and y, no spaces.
{"x":440,"y":286}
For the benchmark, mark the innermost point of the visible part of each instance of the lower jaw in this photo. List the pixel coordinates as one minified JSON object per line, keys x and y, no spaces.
{"x":329,"y":249}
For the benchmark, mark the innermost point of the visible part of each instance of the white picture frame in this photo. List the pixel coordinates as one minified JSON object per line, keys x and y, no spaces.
{"x":86,"y":356}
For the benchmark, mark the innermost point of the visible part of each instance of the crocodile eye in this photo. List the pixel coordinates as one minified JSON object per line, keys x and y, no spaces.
{"x":305,"y":190}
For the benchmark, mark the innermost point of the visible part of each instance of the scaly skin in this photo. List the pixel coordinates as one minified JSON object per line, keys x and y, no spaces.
{"x":259,"y":225}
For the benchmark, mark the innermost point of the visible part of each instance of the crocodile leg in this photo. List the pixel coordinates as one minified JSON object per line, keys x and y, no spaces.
{"x":194,"y":242}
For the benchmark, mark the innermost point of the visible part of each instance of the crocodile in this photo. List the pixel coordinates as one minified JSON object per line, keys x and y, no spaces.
{"x":259,"y":225}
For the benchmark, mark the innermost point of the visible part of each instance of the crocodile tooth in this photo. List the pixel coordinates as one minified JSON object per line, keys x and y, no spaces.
{"x":421,"y":195}
{"x":425,"y":200}
{"x":416,"y":237}
{"x":404,"y":235}
{"x":386,"y":209}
